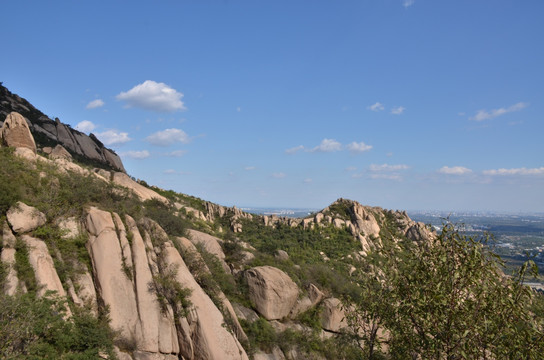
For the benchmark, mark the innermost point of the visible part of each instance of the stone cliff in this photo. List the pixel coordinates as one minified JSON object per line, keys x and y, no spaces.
{"x":48,"y":133}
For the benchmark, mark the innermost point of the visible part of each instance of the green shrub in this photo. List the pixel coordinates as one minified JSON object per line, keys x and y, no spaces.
{"x":68,"y":253}
{"x":170,"y":292}
{"x":163,"y":215}
{"x":260,"y":333}
{"x":24,"y":270}
{"x":36,"y":328}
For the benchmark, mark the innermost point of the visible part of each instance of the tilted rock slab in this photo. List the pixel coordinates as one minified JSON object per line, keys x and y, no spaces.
{"x":16,"y":133}
{"x":158,"y":333}
{"x":141,"y":191}
{"x":190,"y":248}
{"x":11,"y":282}
{"x":272,"y":291}
{"x":44,"y":268}
{"x":113,"y":285}
{"x":211,"y":340}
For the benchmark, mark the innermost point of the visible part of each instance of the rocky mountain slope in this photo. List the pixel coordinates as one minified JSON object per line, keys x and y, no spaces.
{"x":48,"y":133}
{"x":130,"y":262}
{"x":177,"y":277}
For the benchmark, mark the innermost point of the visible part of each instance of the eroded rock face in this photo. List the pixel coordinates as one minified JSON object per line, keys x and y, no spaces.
{"x":24,"y":218}
{"x":272,"y":291}
{"x":16,"y":133}
{"x":333,"y":315}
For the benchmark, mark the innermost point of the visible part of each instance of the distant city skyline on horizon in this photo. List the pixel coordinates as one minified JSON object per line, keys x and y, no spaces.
{"x":397,"y":104}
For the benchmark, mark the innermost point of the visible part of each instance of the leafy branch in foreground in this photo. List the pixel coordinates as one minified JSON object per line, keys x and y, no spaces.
{"x":446,"y":298}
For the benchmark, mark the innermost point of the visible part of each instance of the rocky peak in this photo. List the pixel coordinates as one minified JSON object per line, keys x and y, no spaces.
{"x":49,"y":133}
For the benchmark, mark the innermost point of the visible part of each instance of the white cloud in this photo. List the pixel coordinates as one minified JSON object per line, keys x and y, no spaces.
{"x":482,"y":115}
{"x":454,"y":170}
{"x":95,"y":104}
{"x":408,"y":3}
{"x":279,"y":175}
{"x":174,"y":172}
{"x":151,"y":95}
{"x":176,"y":153}
{"x":376,"y":107}
{"x":387,"y":172}
{"x":85,"y":126}
{"x":307,"y":181}
{"x":238,"y":109}
{"x":387,"y":167}
{"x":113,"y":137}
{"x":356,"y":147}
{"x":249,"y":168}
{"x":144,"y":154}
{"x":327,"y":145}
{"x":168,"y":137}
{"x":398,"y":110}
{"x":294,"y":150}
{"x":515,"y":171}
{"x":396,"y":177}
{"x":351,"y":168}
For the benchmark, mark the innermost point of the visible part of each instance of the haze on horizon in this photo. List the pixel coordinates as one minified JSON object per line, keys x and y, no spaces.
{"x":403,"y":104}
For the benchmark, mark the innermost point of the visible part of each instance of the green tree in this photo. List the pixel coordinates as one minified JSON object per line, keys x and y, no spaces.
{"x":445,"y":298}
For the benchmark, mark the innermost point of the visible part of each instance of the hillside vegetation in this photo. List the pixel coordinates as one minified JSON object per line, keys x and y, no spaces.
{"x":97,"y":265}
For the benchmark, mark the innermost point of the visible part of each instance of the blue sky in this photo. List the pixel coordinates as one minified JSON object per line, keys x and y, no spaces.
{"x":394,"y":103}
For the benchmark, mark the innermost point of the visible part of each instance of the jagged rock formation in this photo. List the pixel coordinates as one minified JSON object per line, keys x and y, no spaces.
{"x":49,"y":133}
{"x":123,"y":272}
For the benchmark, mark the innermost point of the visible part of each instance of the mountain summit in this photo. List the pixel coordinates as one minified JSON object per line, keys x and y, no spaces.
{"x":48,"y":133}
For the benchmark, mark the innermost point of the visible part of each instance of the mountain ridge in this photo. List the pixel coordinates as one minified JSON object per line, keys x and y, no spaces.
{"x":48,"y":133}
{"x":160,"y":275}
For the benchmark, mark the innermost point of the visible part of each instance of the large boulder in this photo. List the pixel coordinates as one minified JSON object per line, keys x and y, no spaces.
{"x":24,"y":218}
{"x":16,"y":133}
{"x":272,"y":291}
